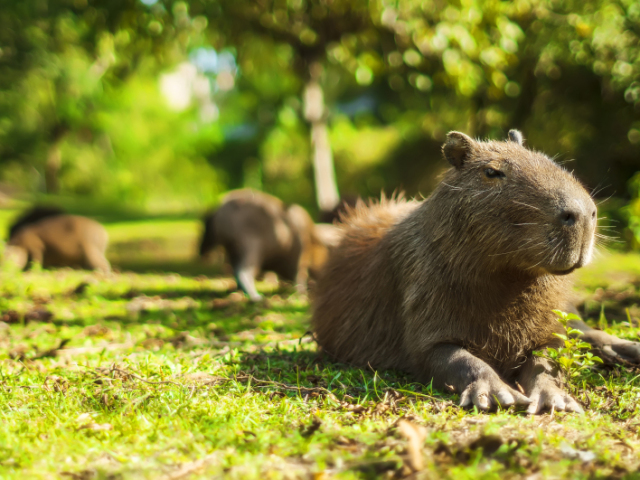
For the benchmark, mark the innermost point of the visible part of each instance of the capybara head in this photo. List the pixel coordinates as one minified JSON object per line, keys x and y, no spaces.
{"x":517,"y":206}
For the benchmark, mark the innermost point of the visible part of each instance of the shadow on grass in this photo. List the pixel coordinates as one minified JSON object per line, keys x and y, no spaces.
{"x":303,"y":372}
{"x":198,"y":310}
{"x":185,"y":269}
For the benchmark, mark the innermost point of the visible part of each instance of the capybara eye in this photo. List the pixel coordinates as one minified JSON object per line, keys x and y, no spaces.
{"x":493,"y":173}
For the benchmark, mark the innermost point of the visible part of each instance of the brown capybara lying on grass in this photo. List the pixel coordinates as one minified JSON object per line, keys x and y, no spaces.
{"x":260,"y":233}
{"x":55,"y":239}
{"x":459,"y":288}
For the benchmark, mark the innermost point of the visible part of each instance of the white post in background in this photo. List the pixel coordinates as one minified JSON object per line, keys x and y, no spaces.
{"x":324,"y":172}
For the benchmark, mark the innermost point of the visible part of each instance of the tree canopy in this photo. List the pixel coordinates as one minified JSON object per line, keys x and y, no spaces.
{"x":85,"y":105}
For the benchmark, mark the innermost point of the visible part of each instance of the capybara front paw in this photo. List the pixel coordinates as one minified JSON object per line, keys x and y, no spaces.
{"x":623,"y":351}
{"x":487,"y":394}
{"x":552,"y":397}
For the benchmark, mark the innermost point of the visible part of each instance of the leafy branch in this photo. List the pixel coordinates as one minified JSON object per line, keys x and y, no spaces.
{"x":574,"y":356}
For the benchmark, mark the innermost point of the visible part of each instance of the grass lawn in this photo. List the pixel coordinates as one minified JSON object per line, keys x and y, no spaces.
{"x":160,"y":375}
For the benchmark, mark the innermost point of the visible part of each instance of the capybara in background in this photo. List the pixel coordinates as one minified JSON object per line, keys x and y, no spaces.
{"x":54,"y":239}
{"x":459,"y":288}
{"x":260,"y":233}
{"x":36,"y":213}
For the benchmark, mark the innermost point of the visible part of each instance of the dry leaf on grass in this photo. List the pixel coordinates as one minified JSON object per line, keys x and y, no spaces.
{"x":18,"y":352}
{"x":56,"y":383}
{"x":10,"y":316}
{"x":415,"y":435}
{"x":38,"y":315}
{"x":308,"y":430}
{"x":203,"y":378}
{"x":96,"y":427}
{"x":96,"y":331}
{"x":81,"y":475}
{"x":85,"y":422}
{"x":187,"y":469}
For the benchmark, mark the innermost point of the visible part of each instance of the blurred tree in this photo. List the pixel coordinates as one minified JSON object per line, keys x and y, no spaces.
{"x":392,"y":76}
{"x":564,"y":72}
{"x":308,"y":29}
{"x":57,"y":60}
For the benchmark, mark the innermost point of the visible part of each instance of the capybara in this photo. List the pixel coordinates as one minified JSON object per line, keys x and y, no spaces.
{"x":58,"y":240}
{"x":459,"y":288}
{"x":36,"y":213}
{"x":260,"y":233}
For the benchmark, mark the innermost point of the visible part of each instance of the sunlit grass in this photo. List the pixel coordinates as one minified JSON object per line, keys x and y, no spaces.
{"x":158,"y":375}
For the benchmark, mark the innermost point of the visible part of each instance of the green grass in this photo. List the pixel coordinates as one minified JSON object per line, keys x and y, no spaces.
{"x":158,"y":375}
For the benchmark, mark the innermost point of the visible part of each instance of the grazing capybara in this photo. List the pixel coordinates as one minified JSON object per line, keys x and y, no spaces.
{"x":260,"y":233}
{"x":459,"y":288}
{"x":33,"y":215}
{"x":55,"y":239}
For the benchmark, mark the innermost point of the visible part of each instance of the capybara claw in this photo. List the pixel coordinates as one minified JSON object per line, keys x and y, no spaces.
{"x":553,"y":399}
{"x":487,"y":395}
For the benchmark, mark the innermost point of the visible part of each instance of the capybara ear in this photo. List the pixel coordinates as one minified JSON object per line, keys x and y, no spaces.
{"x":457,"y":148}
{"x":516,"y":136}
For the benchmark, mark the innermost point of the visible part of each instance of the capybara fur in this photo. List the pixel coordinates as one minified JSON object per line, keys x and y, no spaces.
{"x":459,"y":288}
{"x":58,"y":240}
{"x":36,"y":213}
{"x":260,"y":233}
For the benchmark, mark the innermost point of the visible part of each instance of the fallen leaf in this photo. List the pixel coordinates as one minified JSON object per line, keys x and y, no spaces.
{"x":203,"y":378}
{"x":488,"y":443}
{"x":81,"y":475}
{"x":39,"y":315}
{"x":56,"y":383}
{"x":308,"y":430}
{"x":96,"y":331}
{"x":97,"y":427}
{"x":415,"y":435}
{"x":18,"y":352}
{"x":10,"y":316}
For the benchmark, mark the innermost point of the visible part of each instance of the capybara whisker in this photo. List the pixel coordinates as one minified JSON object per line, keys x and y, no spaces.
{"x":518,"y":250}
{"x":605,"y":200}
{"x":526,"y":205}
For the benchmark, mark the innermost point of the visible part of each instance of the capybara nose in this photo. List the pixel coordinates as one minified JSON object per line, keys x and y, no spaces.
{"x":569,"y":217}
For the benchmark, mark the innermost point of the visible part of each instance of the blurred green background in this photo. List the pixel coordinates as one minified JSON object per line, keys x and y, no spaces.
{"x":130,"y":109}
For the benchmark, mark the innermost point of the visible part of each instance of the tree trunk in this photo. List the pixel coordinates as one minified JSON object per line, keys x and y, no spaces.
{"x":324,"y":172}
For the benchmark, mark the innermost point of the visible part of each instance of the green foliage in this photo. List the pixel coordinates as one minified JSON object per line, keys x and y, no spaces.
{"x":564,"y":72}
{"x":574,"y":356}
{"x":81,"y":112}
